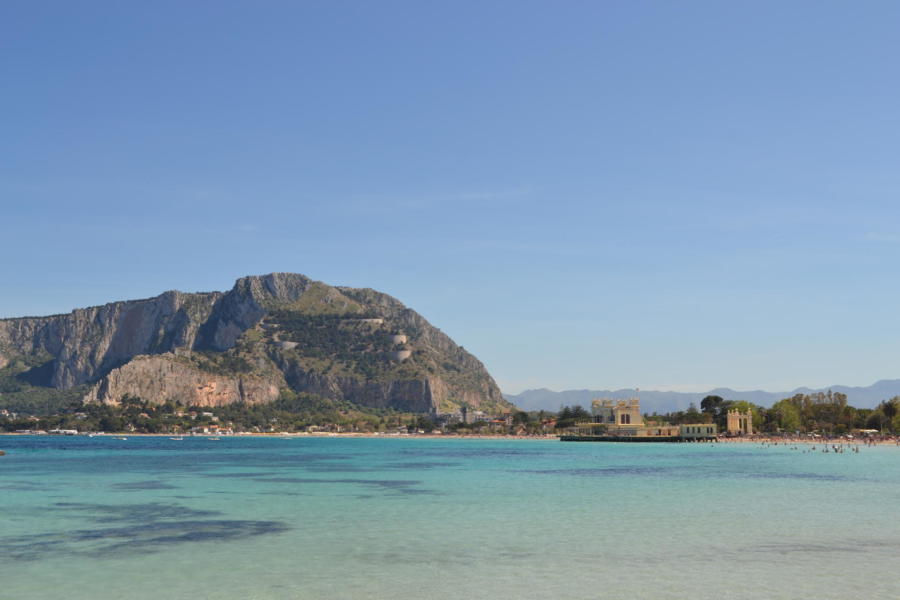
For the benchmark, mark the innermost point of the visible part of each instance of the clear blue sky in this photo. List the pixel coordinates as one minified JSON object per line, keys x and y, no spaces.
{"x":670,"y":195}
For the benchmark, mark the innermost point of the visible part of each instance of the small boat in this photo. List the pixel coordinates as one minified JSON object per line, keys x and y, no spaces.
{"x":214,"y":439}
{"x":177,"y":439}
{"x":120,"y":438}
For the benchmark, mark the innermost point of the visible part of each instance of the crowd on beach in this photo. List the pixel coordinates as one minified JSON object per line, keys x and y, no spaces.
{"x":836,"y":445}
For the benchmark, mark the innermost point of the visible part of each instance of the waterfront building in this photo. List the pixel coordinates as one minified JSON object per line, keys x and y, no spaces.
{"x":697,"y":431}
{"x":617,"y":413}
{"x":621,"y":420}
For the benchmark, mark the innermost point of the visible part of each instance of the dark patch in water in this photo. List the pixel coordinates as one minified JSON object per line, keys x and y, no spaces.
{"x":330,"y":468}
{"x":679,"y":471}
{"x":847,"y":546}
{"x":147,"y":538}
{"x":400,"y":486}
{"x":423,"y":464}
{"x":135,"y":539}
{"x":235,"y":475}
{"x":140,"y":529}
{"x":473,"y":452}
{"x":602,"y":472}
{"x":807,"y":476}
{"x":518,"y":555}
{"x":23,"y":486}
{"x":311,"y":456}
{"x":151,"y":458}
{"x":150,"y":511}
{"x":415,"y":492}
{"x":143,"y":485}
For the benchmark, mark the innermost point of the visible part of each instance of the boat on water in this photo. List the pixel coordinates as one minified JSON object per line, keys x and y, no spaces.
{"x":177,"y":439}
{"x":214,"y":439}
{"x":120,"y":438}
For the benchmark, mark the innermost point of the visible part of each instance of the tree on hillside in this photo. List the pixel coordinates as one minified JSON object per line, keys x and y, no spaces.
{"x":889,"y":410}
{"x":522,"y":418}
{"x":568,"y":416}
{"x":711,"y":405}
{"x":692,"y":414}
{"x":580,"y":414}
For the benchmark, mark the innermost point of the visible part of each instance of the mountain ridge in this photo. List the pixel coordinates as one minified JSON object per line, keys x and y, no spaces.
{"x":663,"y":401}
{"x":275,"y":332}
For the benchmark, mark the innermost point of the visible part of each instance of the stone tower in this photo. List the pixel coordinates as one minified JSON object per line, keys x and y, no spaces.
{"x":740,"y":423}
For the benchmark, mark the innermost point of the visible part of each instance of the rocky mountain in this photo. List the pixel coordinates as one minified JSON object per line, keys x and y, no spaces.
{"x":268,"y":334}
{"x":663,"y":402}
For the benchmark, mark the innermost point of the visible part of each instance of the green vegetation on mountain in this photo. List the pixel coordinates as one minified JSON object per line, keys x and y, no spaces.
{"x":23,"y":386}
{"x":276,"y":332}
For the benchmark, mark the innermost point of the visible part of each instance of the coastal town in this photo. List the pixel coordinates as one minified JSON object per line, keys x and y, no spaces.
{"x":609,"y":420}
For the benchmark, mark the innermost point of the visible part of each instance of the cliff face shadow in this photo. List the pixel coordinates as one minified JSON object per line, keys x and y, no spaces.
{"x":136,"y":529}
{"x":40,"y":375}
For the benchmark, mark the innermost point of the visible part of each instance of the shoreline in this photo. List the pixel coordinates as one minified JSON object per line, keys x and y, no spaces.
{"x":292,"y":435}
{"x":769,"y":440}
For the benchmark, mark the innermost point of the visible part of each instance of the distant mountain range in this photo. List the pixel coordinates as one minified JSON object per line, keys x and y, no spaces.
{"x":663,"y":402}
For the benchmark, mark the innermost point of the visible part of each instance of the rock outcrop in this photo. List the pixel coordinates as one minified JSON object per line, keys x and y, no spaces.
{"x":411,"y":395}
{"x":87,"y":343}
{"x":166,"y":377}
{"x":187,"y":346}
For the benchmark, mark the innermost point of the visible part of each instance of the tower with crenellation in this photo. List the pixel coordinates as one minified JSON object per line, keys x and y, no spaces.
{"x":739,"y":422}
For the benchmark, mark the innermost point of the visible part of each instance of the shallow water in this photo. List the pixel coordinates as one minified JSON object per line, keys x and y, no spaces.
{"x":252,"y":518}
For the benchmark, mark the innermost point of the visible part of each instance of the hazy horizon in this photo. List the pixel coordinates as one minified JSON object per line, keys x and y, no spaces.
{"x":705,"y":389}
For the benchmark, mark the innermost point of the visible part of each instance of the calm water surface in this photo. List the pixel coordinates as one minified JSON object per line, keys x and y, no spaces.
{"x":249,"y":518}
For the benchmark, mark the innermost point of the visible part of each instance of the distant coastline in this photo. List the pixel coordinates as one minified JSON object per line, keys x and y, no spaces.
{"x":316,"y":434}
{"x":755,"y":439}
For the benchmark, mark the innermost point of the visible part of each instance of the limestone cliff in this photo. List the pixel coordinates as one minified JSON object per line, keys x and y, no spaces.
{"x":87,"y":343}
{"x":408,"y":394}
{"x":166,"y":377}
{"x":267,"y":332}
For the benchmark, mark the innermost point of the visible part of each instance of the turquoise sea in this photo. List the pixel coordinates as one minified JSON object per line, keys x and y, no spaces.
{"x":254,"y":518}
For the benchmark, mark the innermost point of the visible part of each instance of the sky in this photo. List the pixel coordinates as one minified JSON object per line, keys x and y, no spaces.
{"x":663,"y":195}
